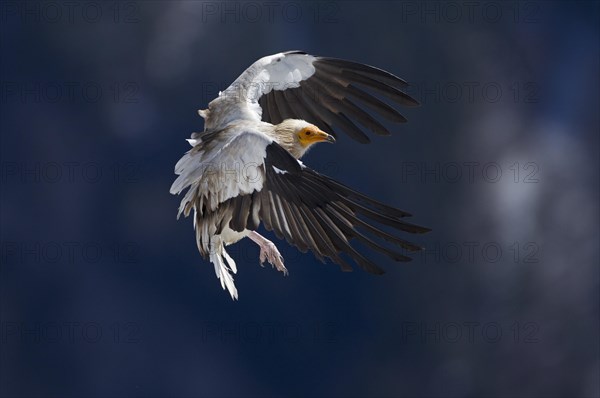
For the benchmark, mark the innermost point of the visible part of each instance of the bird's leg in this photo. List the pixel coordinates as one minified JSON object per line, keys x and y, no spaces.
{"x":268,"y":251}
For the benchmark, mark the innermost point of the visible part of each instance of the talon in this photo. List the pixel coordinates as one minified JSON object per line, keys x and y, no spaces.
{"x":269,"y":252}
{"x":262,"y":257}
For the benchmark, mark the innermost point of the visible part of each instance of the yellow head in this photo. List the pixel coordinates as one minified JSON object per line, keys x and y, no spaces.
{"x":311,"y":134}
{"x":297,"y":136}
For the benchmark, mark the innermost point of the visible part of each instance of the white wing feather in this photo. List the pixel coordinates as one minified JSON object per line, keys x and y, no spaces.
{"x":230,"y":169}
{"x":240,"y":100}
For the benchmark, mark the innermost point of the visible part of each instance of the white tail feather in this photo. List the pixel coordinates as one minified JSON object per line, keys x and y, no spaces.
{"x":217,"y":253}
{"x":230,"y":261}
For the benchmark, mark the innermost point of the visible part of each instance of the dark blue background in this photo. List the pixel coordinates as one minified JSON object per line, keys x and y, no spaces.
{"x":103,"y":292}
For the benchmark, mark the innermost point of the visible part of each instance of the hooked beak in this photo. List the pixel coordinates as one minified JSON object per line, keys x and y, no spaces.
{"x":313,"y":135}
{"x":324,"y":137}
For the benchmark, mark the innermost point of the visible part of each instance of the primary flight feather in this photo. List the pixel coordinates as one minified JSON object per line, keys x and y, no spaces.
{"x":244,"y":169}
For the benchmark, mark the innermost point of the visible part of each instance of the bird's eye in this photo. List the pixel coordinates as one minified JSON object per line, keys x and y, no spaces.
{"x":308,"y":133}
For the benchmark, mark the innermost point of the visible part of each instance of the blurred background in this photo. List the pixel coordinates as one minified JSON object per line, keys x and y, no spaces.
{"x":103,"y":292}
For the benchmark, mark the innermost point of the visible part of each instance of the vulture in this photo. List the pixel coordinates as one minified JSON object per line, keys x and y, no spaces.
{"x":244,"y":169}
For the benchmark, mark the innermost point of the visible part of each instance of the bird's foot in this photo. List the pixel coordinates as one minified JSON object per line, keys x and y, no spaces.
{"x":269,"y":252}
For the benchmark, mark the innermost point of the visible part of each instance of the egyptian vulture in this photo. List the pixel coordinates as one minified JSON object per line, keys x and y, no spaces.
{"x":245,"y":168}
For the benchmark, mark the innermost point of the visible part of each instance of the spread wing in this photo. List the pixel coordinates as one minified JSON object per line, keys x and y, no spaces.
{"x":327,"y":92}
{"x":314,"y":212}
{"x":307,"y":209}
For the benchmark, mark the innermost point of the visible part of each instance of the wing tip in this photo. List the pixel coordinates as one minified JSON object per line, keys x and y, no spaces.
{"x":412,"y":103}
{"x":422,"y":230}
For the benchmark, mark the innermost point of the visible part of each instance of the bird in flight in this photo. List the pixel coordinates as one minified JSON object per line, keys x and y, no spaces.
{"x":245,"y":168}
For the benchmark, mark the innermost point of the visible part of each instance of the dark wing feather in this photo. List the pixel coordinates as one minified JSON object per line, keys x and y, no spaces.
{"x":314,"y":212}
{"x":335,"y":96}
